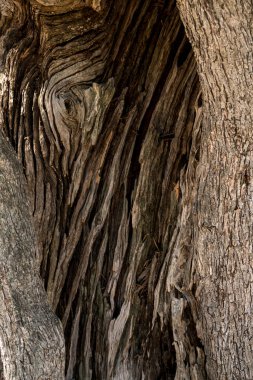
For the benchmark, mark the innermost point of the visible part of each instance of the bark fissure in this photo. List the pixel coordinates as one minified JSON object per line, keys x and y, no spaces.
{"x":221,"y":36}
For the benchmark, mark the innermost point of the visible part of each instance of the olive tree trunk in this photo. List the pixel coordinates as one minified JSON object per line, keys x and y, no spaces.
{"x":221,"y":34}
{"x":31,"y":337}
{"x":141,"y":206}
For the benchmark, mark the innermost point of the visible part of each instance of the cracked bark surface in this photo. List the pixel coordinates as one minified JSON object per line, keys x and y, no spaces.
{"x":30,"y":334}
{"x":142,"y":256}
{"x":221,"y":36}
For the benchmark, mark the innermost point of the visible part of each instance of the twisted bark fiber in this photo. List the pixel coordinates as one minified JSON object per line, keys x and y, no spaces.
{"x":142,"y":255}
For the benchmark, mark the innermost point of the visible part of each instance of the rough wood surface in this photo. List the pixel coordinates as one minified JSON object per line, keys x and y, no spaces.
{"x":31,"y":337}
{"x":106,"y":122}
{"x":142,"y":209}
{"x":221,"y":35}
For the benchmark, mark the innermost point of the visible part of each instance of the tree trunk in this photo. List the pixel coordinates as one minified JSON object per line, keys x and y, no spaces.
{"x":141,"y":211}
{"x":221,"y":35}
{"x":31,"y":338}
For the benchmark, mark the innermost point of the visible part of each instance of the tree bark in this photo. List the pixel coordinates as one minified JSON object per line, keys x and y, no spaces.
{"x":221,"y":35}
{"x":31,"y":337}
{"x":142,"y":221}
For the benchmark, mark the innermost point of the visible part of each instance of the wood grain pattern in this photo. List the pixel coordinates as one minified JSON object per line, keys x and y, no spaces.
{"x":101,"y":101}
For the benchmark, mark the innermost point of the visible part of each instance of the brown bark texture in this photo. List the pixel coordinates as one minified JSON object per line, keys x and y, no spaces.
{"x":30,"y":334}
{"x":141,"y":207}
{"x":221,"y":34}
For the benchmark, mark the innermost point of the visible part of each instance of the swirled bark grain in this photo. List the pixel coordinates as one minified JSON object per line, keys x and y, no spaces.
{"x":101,"y":101}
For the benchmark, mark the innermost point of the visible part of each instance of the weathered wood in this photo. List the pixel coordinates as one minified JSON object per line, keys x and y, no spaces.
{"x":31,"y":338}
{"x":101,"y":102}
{"x":142,"y":210}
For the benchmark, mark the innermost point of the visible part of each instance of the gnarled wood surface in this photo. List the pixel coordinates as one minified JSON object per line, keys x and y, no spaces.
{"x":101,"y":101}
{"x":142,"y":210}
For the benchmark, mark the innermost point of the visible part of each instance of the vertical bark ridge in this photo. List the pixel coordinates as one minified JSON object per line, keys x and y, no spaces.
{"x":221,"y":35}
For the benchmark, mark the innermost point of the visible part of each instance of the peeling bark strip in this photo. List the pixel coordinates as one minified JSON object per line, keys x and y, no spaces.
{"x":221,"y":35}
{"x":31,"y":339}
{"x":101,"y":101}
